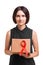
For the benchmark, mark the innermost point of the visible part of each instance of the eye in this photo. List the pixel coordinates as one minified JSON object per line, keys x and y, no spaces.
{"x":17,"y":16}
{"x":23,"y":16}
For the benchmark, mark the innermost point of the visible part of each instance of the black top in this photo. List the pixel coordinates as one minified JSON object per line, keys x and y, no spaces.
{"x":26,"y":33}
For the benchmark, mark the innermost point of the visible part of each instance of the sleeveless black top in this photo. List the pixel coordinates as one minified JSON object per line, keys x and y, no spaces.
{"x":26,"y":33}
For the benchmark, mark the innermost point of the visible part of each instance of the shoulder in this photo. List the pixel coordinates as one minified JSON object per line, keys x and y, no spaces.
{"x":34,"y":34}
{"x":30,"y":30}
{"x":8,"y":34}
{"x":13,"y":29}
{"x":9,"y":31}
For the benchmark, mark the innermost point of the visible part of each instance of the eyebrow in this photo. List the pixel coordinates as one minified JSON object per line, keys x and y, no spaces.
{"x":19,"y":15}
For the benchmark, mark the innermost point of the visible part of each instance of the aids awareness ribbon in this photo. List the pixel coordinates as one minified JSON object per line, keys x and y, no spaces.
{"x":23,"y":45}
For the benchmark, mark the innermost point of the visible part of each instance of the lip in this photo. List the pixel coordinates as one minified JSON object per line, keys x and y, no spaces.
{"x":20,"y":21}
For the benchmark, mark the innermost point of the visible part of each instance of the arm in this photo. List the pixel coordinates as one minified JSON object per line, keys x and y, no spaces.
{"x":35,"y":46}
{"x":7,"y":45}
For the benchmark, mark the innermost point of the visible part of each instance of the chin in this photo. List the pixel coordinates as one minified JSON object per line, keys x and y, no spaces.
{"x":20,"y":24}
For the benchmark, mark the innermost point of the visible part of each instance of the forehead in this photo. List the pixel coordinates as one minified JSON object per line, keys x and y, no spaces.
{"x":20,"y":12}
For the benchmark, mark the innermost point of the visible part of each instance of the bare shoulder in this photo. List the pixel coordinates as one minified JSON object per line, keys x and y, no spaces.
{"x":34,"y":34}
{"x":34,"y":38}
{"x":8,"y":34}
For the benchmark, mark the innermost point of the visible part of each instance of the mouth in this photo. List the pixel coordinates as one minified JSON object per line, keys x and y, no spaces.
{"x":21,"y":21}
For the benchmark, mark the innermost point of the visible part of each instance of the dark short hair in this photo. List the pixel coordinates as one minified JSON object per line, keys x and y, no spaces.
{"x":25,"y":10}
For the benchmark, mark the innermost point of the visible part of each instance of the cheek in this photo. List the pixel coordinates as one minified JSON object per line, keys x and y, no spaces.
{"x":17,"y":19}
{"x":24,"y":19}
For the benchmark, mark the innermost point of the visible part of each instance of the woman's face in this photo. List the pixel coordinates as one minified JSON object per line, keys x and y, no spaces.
{"x":20,"y":18}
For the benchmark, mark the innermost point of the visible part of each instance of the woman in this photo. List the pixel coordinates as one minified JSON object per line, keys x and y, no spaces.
{"x":21,"y":31}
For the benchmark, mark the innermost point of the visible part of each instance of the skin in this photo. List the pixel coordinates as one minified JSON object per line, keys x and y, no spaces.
{"x":21,"y":20}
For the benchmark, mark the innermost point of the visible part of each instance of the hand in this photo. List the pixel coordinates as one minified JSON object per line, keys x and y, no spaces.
{"x":24,"y":55}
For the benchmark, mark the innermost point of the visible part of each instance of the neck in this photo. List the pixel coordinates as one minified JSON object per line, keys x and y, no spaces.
{"x":21,"y":27}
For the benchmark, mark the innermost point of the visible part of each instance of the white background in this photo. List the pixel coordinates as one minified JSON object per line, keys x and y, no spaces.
{"x":36,"y":23}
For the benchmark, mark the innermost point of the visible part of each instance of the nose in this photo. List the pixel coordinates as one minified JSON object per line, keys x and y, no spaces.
{"x":20,"y":18}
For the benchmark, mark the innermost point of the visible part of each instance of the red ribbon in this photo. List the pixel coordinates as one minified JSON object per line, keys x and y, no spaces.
{"x":23,"y":45}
